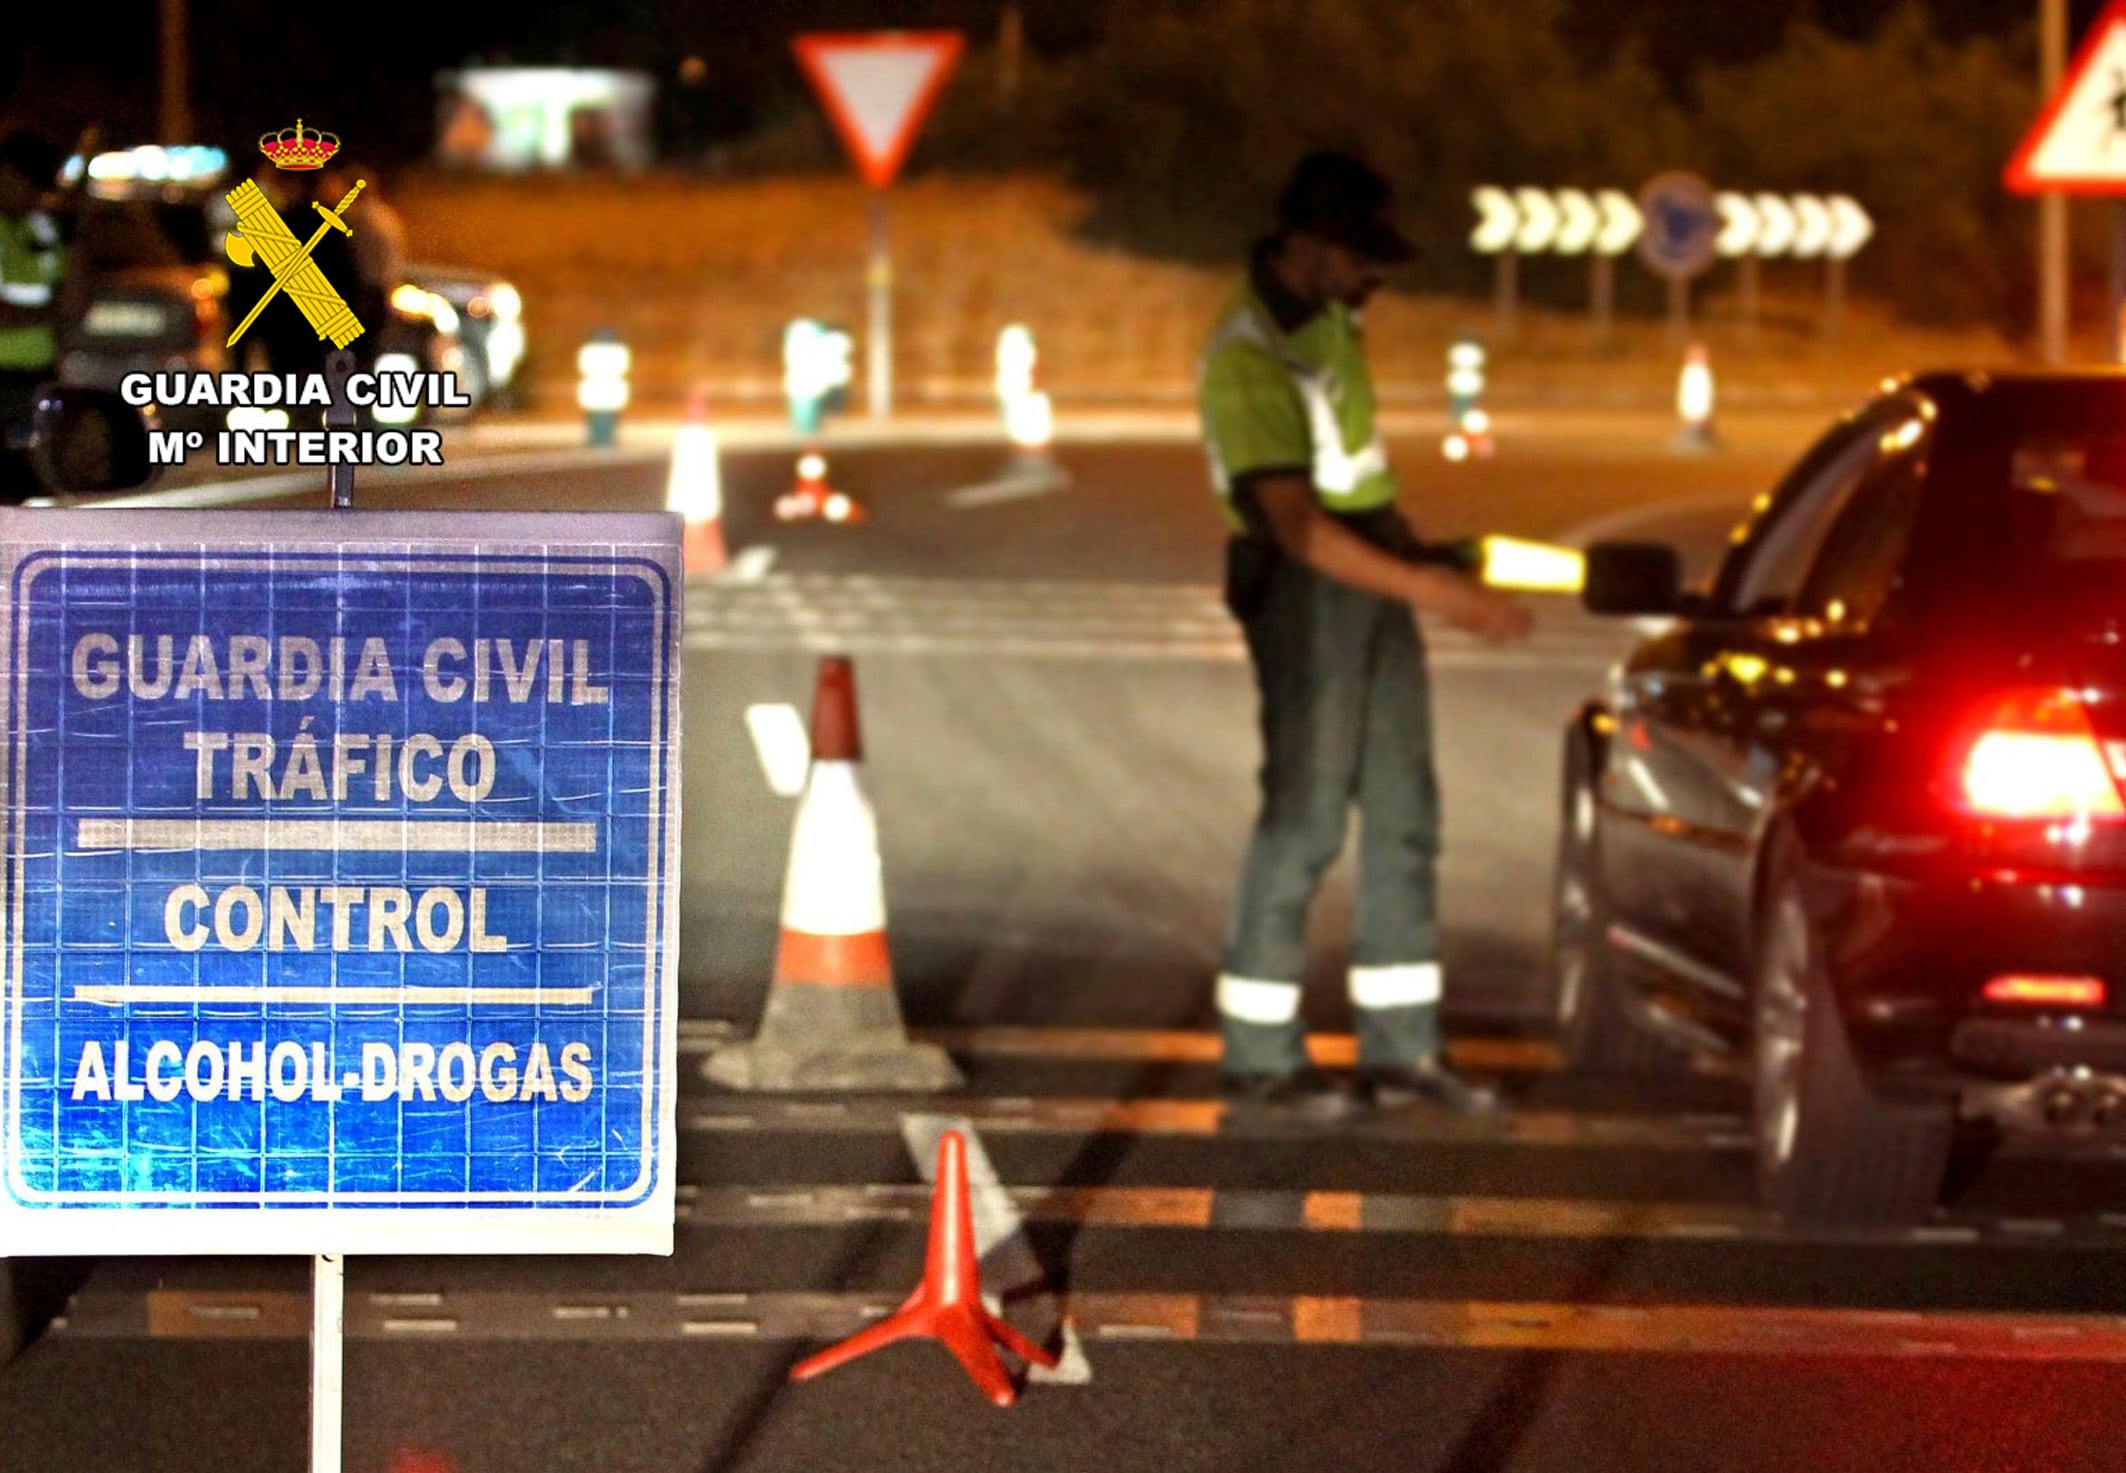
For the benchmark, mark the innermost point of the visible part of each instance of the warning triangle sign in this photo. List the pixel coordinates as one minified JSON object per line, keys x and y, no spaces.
{"x":2078,"y":145}
{"x":878,"y":87}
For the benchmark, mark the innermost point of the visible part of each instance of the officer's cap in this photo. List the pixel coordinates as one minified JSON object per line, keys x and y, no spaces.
{"x":1341,"y":198}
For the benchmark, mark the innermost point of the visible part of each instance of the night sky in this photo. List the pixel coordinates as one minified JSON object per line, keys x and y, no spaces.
{"x":367,"y":69}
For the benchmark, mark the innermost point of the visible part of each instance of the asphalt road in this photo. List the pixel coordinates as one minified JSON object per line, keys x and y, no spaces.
{"x":1059,"y":745}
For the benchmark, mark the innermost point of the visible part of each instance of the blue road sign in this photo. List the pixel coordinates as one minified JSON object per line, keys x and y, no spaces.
{"x":338,"y":882}
{"x":1682,"y":225}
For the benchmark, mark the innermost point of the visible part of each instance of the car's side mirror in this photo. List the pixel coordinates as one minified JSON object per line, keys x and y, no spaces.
{"x":90,"y":440}
{"x":1633,"y":578}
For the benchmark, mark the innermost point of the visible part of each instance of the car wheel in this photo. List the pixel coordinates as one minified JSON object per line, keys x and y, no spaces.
{"x":1829,"y":1149}
{"x":1595,"y":1032}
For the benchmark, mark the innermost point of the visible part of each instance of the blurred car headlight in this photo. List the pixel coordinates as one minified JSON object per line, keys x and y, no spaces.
{"x":507,"y":305}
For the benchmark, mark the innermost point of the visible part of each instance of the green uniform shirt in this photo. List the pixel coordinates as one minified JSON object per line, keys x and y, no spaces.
{"x":31,"y":260}
{"x":1292,"y":401}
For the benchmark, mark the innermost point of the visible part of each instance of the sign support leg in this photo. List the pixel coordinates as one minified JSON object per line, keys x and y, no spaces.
{"x":1833,"y":296}
{"x":1749,"y":297}
{"x":328,"y":1299}
{"x":1602,"y":297}
{"x":878,"y":370}
{"x":1506,"y":291}
{"x":2115,"y":309}
{"x":339,"y":415}
{"x":2052,"y":206}
{"x":1678,"y":309}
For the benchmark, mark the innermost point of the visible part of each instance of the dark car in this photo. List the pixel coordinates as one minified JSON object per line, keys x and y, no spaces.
{"x":489,"y":321}
{"x":1859,"y":813}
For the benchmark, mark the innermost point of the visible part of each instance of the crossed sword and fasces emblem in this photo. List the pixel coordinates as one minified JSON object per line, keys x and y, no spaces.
{"x":262,"y":235}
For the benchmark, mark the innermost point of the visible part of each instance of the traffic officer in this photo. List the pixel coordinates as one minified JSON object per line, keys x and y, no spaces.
{"x":33,"y":264}
{"x":1326,"y":577}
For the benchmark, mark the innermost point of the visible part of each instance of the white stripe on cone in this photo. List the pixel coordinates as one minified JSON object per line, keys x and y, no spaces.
{"x":834,"y":886}
{"x":1250,"y":1000}
{"x":694,"y":487}
{"x":1395,"y":987}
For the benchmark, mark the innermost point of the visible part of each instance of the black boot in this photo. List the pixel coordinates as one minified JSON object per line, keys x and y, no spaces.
{"x":1425,"y":1081}
{"x":1310,"y":1093}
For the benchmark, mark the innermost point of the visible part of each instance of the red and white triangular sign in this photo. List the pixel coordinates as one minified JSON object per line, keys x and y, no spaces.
{"x":878,"y":87}
{"x":2078,"y":145}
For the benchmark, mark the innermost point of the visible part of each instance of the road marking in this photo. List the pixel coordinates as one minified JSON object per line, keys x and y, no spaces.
{"x":783,"y":746}
{"x":1366,"y":1213}
{"x":1017,"y":487}
{"x":1393,"y":1324}
{"x":1209,"y":1117}
{"x":1052,"y":619}
{"x":1183,"y":1046}
{"x":750,"y":566}
{"x":1175,"y":1046}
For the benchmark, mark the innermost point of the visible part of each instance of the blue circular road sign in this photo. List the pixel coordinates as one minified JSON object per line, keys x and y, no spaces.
{"x":1682,"y":223}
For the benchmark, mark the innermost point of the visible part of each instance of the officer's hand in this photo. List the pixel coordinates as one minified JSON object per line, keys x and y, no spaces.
{"x":1489,"y":614}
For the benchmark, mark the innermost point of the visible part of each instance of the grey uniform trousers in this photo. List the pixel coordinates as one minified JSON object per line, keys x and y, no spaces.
{"x":1346,"y":713}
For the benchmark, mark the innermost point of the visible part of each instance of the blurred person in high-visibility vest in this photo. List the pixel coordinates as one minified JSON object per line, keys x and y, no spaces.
{"x":40,"y":287}
{"x":1327,"y":579}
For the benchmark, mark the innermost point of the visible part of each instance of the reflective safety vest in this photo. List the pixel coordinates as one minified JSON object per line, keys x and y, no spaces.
{"x":31,"y":261}
{"x":1292,"y":401}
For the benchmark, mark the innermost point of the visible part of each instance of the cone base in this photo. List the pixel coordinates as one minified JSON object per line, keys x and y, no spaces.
{"x":886,"y":1064}
{"x":815,"y":1037}
{"x":702,"y":550}
{"x":970,"y":1332}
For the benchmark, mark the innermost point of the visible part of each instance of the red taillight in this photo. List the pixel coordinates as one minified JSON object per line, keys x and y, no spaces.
{"x":2047,"y":992}
{"x":2033,"y":754}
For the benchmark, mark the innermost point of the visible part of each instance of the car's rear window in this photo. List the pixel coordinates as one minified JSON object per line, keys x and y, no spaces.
{"x":2067,"y":506}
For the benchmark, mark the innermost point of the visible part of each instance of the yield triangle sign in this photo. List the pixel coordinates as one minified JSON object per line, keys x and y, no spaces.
{"x":2078,"y":145}
{"x":878,"y":87}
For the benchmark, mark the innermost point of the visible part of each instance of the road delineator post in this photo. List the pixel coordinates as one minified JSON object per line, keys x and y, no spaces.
{"x":833,"y":1021}
{"x":1694,"y":401}
{"x":947,"y":1306}
{"x":694,"y":488}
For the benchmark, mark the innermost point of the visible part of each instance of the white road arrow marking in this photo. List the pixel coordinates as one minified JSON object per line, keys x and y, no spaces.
{"x":1775,"y":225}
{"x":783,"y":745}
{"x":1738,"y":225}
{"x":1539,"y":221}
{"x":1812,"y":217}
{"x":1851,"y":227}
{"x":1581,"y":219}
{"x":1500,"y":223}
{"x":1621,"y":222}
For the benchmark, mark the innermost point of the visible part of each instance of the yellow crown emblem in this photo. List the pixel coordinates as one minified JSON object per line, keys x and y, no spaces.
{"x":292,"y":148}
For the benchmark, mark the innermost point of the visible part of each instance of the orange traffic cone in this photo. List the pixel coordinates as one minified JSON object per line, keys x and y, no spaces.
{"x":947,"y":1305}
{"x":832,"y":1019}
{"x":694,"y":489}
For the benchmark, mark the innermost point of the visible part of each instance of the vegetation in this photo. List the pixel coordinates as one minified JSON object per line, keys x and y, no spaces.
{"x":1179,"y":126}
